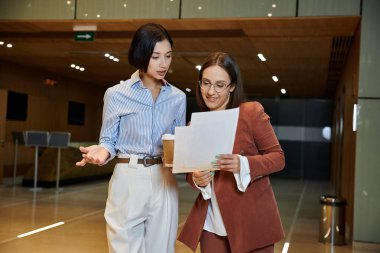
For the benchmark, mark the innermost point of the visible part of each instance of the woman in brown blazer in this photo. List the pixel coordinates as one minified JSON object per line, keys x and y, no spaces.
{"x":236,"y":210}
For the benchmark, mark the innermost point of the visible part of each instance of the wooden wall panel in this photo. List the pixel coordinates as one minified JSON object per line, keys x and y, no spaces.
{"x":48,"y":108}
{"x":343,"y":166}
{"x":3,"y":103}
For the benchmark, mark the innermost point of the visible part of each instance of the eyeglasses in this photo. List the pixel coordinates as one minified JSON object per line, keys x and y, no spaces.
{"x":219,"y":86}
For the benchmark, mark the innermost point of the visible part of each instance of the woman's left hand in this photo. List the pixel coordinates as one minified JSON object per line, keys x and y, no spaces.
{"x":228,"y":162}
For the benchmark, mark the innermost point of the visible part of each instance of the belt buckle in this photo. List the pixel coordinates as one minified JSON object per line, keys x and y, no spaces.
{"x":145,"y":158}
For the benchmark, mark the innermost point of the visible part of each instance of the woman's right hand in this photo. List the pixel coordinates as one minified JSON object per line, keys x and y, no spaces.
{"x":94,"y":154}
{"x":202,"y":178}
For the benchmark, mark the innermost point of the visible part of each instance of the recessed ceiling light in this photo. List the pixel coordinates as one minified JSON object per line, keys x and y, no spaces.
{"x":275,"y":78}
{"x":199,"y":7}
{"x":9,"y":45}
{"x":77,"y":67}
{"x":111,"y":57}
{"x":261,"y":57}
{"x":269,"y":14}
{"x":98,"y":15}
{"x":188,"y":89}
{"x":198,"y":67}
{"x":283,"y":91}
{"x":1,"y":43}
{"x":274,"y":5}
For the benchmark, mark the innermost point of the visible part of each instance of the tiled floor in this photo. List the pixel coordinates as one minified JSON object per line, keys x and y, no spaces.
{"x":81,"y":209}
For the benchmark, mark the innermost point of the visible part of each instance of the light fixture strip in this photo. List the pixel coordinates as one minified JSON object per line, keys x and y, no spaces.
{"x":354,"y":118}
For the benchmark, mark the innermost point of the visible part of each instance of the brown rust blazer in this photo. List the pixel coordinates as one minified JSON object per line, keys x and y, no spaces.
{"x":251,"y":218}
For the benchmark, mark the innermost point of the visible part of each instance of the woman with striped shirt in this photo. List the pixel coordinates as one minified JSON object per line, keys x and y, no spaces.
{"x":142,"y":204}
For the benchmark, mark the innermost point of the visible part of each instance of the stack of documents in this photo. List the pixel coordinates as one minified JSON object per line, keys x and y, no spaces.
{"x":209,"y":134}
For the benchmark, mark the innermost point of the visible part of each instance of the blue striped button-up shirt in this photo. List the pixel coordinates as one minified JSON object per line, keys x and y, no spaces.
{"x":133,"y":123}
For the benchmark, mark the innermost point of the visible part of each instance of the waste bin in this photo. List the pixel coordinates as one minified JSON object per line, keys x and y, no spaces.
{"x":332,"y":220}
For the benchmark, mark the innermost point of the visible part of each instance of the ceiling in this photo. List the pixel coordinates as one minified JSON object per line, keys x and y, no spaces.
{"x":306,"y":54}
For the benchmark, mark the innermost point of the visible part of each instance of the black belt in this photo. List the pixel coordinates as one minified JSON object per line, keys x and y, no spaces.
{"x":146,"y":161}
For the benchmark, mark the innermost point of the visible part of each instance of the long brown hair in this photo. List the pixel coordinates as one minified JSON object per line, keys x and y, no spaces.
{"x":228,"y":63}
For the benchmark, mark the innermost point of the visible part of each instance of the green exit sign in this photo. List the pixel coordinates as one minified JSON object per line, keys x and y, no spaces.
{"x":84,"y":36}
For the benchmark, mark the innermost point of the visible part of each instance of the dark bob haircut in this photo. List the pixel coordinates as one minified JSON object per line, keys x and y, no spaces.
{"x":143,"y":43}
{"x":226,"y":62}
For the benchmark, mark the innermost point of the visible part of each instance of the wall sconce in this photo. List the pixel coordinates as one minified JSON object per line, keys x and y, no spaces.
{"x":50,"y":82}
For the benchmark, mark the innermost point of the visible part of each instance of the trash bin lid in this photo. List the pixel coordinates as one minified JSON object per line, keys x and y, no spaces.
{"x":332,"y":200}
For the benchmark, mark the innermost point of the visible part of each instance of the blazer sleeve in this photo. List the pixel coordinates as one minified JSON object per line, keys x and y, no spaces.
{"x":270,"y":157}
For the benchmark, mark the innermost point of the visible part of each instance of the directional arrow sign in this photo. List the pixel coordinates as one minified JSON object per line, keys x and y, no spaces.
{"x":84,"y":36}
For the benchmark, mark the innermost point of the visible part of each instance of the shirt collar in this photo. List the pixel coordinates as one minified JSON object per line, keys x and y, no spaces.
{"x":136,"y":81}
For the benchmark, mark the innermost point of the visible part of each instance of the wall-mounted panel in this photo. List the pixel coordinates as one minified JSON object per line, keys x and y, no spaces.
{"x":237,"y":8}
{"x":328,"y":7}
{"x":122,"y":9}
{"x":367,"y":173}
{"x":369,"y":50}
{"x":37,"y":9}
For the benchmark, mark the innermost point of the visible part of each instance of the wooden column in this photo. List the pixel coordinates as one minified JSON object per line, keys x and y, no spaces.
{"x":3,"y":118}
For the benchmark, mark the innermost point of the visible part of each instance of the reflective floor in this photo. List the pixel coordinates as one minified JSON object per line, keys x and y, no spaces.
{"x":77,"y":214}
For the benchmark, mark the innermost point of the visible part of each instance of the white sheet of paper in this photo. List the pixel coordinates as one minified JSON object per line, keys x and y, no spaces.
{"x":210,"y":134}
{"x":181,"y":139}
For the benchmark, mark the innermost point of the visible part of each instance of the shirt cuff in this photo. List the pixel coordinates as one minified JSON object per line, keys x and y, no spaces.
{"x":206,"y":191}
{"x":243,"y":177}
{"x":112,"y":155}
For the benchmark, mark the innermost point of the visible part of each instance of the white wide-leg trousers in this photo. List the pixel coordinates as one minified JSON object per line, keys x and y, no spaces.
{"x":142,"y":210}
